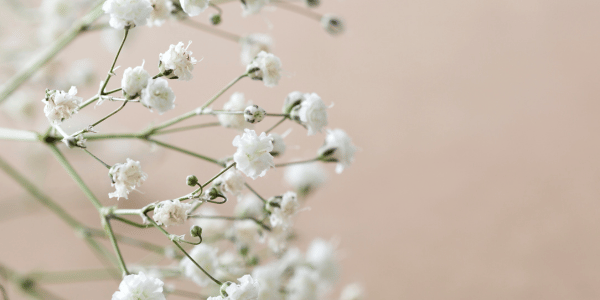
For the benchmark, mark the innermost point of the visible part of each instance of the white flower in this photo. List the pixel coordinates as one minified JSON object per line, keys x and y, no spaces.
{"x":304,"y":178}
{"x":313,"y":113}
{"x":210,"y":227}
{"x":269,"y":279}
{"x":194,"y":7}
{"x":254,"y":114}
{"x":286,"y":207}
{"x":250,"y":206}
{"x":304,"y":285}
{"x":125,"y":13}
{"x":232,"y":181}
{"x":322,"y":256}
{"x":134,"y":81}
{"x":253,"y":6}
{"x":237,"y":102}
{"x":158,"y":95}
{"x":126,"y":177}
{"x":352,"y":291}
{"x":265,"y":67}
{"x":292,"y":101}
{"x":339,"y":148}
{"x":20,"y":106}
{"x":161,"y":10}
{"x":332,"y":24}
{"x":206,"y":257}
{"x":61,"y":105}
{"x":246,"y":232}
{"x":253,"y":155}
{"x":171,"y":212}
{"x":278,"y":145}
{"x":57,"y":16}
{"x":139,"y":287}
{"x":253,"y":44}
{"x":246,"y":290}
{"x":231,"y":265}
{"x":177,"y":62}
{"x":278,"y":238}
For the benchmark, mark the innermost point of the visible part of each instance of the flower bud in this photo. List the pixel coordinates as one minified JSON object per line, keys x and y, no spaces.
{"x":313,"y":3}
{"x":213,"y":193}
{"x":332,"y":24}
{"x":215,"y":19}
{"x":196,"y":231}
{"x":253,"y":114}
{"x":278,"y":145}
{"x":191,"y":180}
{"x":224,"y":287}
{"x":292,"y":100}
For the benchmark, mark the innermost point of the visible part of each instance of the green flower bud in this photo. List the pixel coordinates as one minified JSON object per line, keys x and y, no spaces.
{"x":196,"y":231}
{"x":191,"y":180}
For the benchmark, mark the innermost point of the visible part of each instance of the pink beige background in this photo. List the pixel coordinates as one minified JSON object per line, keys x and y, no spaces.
{"x":478,"y":127}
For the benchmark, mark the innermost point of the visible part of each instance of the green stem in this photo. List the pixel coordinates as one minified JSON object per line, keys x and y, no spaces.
{"x":255,"y":193}
{"x":86,"y":190}
{"x":185,"y":128}
{"x":131,"y":241}
{"x":212,"y":160}
{"x":258,"y":222}
{"x":73,"y":276}
{"x":212,"y":30}
{"x":95,"y":157}
{"x":277,"y":124}
{"x":113,"y":241}
{"x":14,"y":82}
{"x":112,"y":67}
{"x":91,"y":100}
{"x":217,"y":176}
{"x":296,"y":162}
{"x":129,"y":222}
{"x":19,"y":135}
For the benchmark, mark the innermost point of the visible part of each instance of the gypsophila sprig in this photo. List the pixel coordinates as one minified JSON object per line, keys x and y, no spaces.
{"x":140,"y":287}
{"x":253,"y":155}
{"x":177,"y":62}
{"x":157,"y":95}
{"x":126,"y":177}
{"x":60,"y":105}
{"x":265,"y":67}
{"x":127,"y":13}
{"x":338,"y":148}
{"x":171,"y":212}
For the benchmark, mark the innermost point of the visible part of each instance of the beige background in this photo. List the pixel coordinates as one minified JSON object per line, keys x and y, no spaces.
{"x":478,"y":124}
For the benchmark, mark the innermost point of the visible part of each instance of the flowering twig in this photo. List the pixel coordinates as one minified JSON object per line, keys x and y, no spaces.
{"x":113,"y":241}
{"x":112,"y":67}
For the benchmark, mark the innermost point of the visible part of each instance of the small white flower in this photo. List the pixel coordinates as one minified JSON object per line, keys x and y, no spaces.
{"x":253,"y":44}
{"x":269,"y":279}
{"x":247,"y":289}
{"x":322,"y":256}
{"x":253,"y":155}
{"x":126,"y":177}
{"x":161,"y":10}
{"x":61,"y":105}
{"x":304,"y":178}
{"x":205,"y":256}
{"x":304,"y":285}
{"x":237,"y":102}
{"x":232,"y":181}
{"x":352,"y":291}
{"x":246,"y":232}
{"x":177,"y":62}
{"x":210,"y":227}
{"x":332,"y":24}
{"x":254,"y":114}
{"x":158,"y":95}
{"x":171,"y":212}
{"x":278,"y":145}
{"x":292,"y":101}
{"x":134,"y":81}
{"x":278,"y":238}
{"x":139,"y":287}
{"x":265,"y":67}
{"x":339,"y":148}
{"x":194,"y":7}
{"x":253,"y":6}
{"x":285,"y":208}
{"x":231,"y":265}
{"x":124,"y":13}
{"x":313,"y":113}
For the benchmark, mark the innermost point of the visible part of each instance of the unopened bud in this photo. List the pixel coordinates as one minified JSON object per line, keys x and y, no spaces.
{"x":215,"y":19}
{"x":224,"y":287}
{"x":196,"y":231}
{"x":191,"y":180}
{"x":332,"y":24}
{"x":254,"y":114}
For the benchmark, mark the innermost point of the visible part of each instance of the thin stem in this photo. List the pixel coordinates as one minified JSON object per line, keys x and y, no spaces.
{"x":93,"y":99}
{"x":73,"y":276}
{"x":111,"y":136}
{"x":297,"y":9}
{"x":277,"y":124}
{"x":131,"y":241}
{"x":86,"y":190}
{"x":206,"y":158}
{"x":258,"y":222}
{"x":113,"y":241}
{"x":14,"y":82}
{"x":111,"y":114}
{"x":212,"y":30}
{"x":217,"y":176}
{"x":213,"y":124}
{"x":296,"y":162}
{"x":112,"y":67}
{"x":255,"y":193}
{"x":94,"y":156}
{"x":4,"y":294}
{"x":19,"y":135}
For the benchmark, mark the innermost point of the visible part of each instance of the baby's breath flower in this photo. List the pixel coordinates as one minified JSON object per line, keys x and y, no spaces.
{"x":210,"y":226}
{"x":269,"y":280}
{"x":134,"y":81}
{"x":171,"y":212}
{"x":127,"y":13}
{"x":253,"y":155}
{"x":246,"y":232}
{"x":158,"y":95}
{"x":304,"y":178}
{"x":60,"y":105}
{"x":194,"y":7}
{"x":265,"y":67}
{"x":205,"y":256}
{"x":139,"y":286}
{"x":292,"y":101}
{"x":126,"y":177}
{"x":177,"y":62}
{"x":232,"y":181}
{"x":254,"y":114}
{"x":304,"y":285}
{"x":283,"y":209}
{"x":161,"y":10}
{"x":321,"y":255}
{"x":247,"y":289}
{"x":278,"y":145}
{"x":253,"y":6}
{"x":338,"y":148}
{"x":250,"y":206}
{"x":313,"y":113}
{"x":253,"y":44}
{"x":352,"y":291}
{"x":236,"y":102}
{"x":332,"y":24}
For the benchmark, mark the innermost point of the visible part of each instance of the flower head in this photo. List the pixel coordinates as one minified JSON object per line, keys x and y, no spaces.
{"x":283,"y":208}
{"x":127,"y":13}
{"x":126,"y":177}
{"x":304,"y":285}
{"x":177,"y":62}
{"x":278,"y":145}
{"x":246,"y":232}
{"x":171,"y":212}
{"x":194,"y":7}
{"x":60,"y":105}
{"x":313,"y":113}
{"x":134,"y":81}
{"x":304,"y":178}
{"x":253,"y":155}
{"x":139,"y":287}
{"x":232,"y":181}
{"x":247,"y":289}
{"x":158,"y":95}
{"x":321,"y":255}
{"x":236,"y":102}
{"x":254,"y":114}
{"x":161,"y":10}
{"x":338,"y":148}
{"x":265,"y":67}
{"x":253,"y":44}
{"x":332,"y":24}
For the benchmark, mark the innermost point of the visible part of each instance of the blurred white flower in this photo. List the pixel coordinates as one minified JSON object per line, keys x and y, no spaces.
{"x":313,"y":113}
{"x":338,"y":148}
{"x":232,"y":181}
{"x":246,"y":232}
{"x":304,"y":285}
{"x":353,"y":291}
{"x":278,"y":145}
{"x":124,"y":13}
{"x":161,"y":11}
{"x":247,"y":289}
{"x":206,"y":257}
{"x":265,"y":67}
{"x":194,"y":7}
{"x":210,"y":227}
{"x":253,"y":44}
{"x":139,"y":286}
{"x":283,"y":209}
{"x":321,"y":255}
{"x":304,"y":178}
{"x":237,"y":102}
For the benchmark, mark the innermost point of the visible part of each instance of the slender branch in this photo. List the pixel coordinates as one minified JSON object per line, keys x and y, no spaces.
{"x":112,"y":67}
{"x":212,"y":160}
{"x":129,"y":222}
{"x":217,"y":176}
{"x":296,"y":162}
{"x":255,"y":193}
{"x":277,"y":124}
{"x":4,"y":294}
{"x":131,"y":241}
{"x":263,"y":225}
{"x":212,"y":30}
{"x":19,"y":135}
{"x":113,"y":241}
{"x":95,"y":157}
{"x":185,"y":128}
